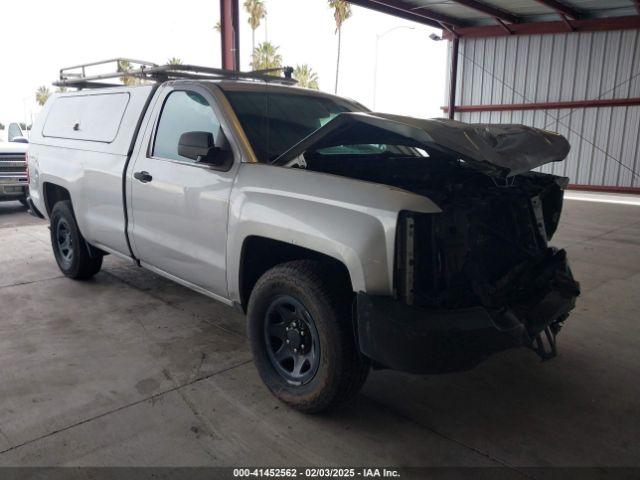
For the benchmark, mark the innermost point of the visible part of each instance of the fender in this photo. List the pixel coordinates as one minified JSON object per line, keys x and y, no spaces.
{"x":350,"y":220}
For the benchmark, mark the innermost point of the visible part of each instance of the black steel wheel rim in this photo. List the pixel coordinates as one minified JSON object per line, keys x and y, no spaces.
{"x":64,"y":242}
{"x":292,"y":340}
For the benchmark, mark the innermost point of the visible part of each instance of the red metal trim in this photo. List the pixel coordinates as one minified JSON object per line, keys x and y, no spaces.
{"x":540,"y":28}
{"x":446,"y":27}
{"x":604,"y":188}
{"x":501,"y":107}
{"x":490,"y":10}
{"x":504,"y":25}
{"x":230,"y":34}
{"x":408,"y":12}
{"x":562,"y":8}
{"x":567,"y":22}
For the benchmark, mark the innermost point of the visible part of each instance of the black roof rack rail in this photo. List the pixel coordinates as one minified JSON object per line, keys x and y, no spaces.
{"x":142,"y":71}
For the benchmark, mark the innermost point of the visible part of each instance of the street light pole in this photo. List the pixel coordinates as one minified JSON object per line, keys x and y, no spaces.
{"x":375,"y":61}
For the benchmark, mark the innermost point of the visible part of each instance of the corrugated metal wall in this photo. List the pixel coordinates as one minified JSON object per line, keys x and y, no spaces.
{"x":562,"y":67}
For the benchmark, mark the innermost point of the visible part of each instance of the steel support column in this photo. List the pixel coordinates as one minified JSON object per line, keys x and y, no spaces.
{"x":453,"y":77}
{"x":230,"y":34}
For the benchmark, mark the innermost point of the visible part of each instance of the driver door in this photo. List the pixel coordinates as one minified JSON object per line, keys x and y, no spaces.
{"x":179,"y":206}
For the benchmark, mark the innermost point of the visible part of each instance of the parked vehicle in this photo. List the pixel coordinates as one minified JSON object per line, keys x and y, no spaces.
{"x":14,"y":184}
{"x":350,"y":238}
{"x":13,"y":133}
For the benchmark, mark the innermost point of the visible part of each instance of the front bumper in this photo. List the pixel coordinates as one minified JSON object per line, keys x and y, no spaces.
{"x":13,"y":190}
{"x":428,"y":340}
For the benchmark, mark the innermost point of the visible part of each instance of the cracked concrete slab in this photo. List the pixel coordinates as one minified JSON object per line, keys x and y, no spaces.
{"x":229,"y":419}
{"x":158,"y":432}
{"x":25,"y":255}
{"x":5,"y":443}
{"x":71,"y":350}
{"x":247,"y":425}
{"x":14,"y":214}
{"x":183,"y":299}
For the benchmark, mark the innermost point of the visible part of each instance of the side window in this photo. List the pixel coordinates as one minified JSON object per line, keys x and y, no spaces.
{"x":182,"y":112}
{"x":13,"y":131}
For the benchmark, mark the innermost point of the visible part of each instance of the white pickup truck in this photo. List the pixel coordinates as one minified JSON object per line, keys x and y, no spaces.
{"x":351,"y":239}
{"x":13,"y":165}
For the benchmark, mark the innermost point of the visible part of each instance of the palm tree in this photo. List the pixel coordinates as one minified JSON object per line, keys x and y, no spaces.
{"x":306,"y":77}
{"x":341,"y":12}
{"x":125,"y":67}
{"x":42,"y":95}
{"x":218,"y":27}
{"x":174,"y":61}
{"x":266,"y":56}
{"x":257,"y":11}
{"x":62,"y":90}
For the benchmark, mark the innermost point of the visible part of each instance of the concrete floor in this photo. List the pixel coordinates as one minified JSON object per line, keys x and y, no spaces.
{"x":130,"y":369}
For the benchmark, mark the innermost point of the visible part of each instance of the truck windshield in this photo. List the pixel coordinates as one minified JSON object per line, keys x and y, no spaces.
{"x":274,"y":121}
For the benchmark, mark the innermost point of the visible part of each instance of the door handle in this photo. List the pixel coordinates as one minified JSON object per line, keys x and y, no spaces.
{"x":144,"y":177}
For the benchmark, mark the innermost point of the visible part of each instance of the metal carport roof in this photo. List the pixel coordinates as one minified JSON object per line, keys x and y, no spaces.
{"x":509,"y":17}
{"x":462,"y":20}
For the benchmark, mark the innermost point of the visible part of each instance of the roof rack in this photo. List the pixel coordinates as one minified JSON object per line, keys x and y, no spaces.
{"x":127,"y":68}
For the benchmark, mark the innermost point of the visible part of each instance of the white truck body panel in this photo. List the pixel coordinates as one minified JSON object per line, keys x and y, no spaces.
{"x":91,"y":170}
{"x":350,"y":220}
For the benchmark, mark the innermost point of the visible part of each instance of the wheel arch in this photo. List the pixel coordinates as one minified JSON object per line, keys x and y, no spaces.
{"x":259,"y":254}
{"x":54,"y":193}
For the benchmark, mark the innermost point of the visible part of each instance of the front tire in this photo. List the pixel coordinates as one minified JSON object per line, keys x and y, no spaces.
{"x":75,"y":257}
{"x":301,"y":337}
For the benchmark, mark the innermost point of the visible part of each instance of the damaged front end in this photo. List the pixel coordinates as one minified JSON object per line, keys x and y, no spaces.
{"x":477,"y":277}
{"x":470,"y":281}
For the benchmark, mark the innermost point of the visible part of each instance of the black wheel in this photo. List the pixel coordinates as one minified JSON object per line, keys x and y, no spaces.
{"x":301,"y":337}
{"x":75,"y":258}
{"x":23,"y":201}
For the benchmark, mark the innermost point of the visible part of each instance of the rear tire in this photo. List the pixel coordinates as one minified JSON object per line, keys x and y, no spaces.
{"x":23,"y":201}
{"x":298,"y":296}
{"x":75,"y":257}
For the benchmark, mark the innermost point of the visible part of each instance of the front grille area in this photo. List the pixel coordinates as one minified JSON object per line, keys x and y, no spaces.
{"x":13,"y":166}
{"x":466,"y":256}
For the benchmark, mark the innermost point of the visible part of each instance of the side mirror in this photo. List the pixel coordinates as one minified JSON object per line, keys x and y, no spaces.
{"x":196,"y":145}
{"x":199,"y":146}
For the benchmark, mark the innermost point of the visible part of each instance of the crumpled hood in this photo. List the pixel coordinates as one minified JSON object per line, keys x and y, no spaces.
{"x":499,"y":149}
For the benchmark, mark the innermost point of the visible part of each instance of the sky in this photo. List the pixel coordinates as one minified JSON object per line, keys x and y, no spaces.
{"x":43,"y":36}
